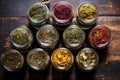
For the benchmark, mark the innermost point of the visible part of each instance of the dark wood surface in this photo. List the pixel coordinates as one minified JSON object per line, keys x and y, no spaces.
{"x":13,"y":14}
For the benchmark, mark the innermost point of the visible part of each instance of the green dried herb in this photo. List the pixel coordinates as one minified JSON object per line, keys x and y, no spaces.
{"x":20,"y":36}
{"x":38,"y":12}
{"x":73,"y":36}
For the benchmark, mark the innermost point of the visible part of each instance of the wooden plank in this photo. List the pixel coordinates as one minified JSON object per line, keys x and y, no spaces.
{"x":20,"y":7}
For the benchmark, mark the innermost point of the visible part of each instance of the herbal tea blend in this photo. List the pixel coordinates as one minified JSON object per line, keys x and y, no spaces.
{"x":47,"y":36}
{"x":73,"y":37}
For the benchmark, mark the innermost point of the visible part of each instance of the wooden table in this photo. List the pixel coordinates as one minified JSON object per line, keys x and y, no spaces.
{"x":13,"y":14}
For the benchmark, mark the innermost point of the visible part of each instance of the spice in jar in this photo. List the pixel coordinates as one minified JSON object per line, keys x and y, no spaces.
{"x":21,"y":37}
{"x":73,"y":37}
{"x":38,"y":59}
{"x":87,"y":14}
{"x":12,"y":60}
{"x":87,"y":59}
{"x":62,"y":59}
{"x":47,"y":36}
{"x":62,"y":13}
{"x":38,"y":14}
{"x":100,"y":37}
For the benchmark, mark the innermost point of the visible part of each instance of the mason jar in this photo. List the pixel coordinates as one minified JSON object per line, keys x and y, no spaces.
{"x":38,"y":59}
{"x":87,"y":59}
{"x":87,"y":15}
{"x":73,"y":37}
{"x":100,"y":37}
{"x":38,"y":15}
{"x":47,"y":37}
{"x":62,"y":14}
{"x":12,"y":60}
{"x":21,"y":38}
{"x":62,"y":59}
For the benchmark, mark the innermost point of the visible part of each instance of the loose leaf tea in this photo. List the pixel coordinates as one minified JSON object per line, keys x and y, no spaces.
{"x":38,"y":12}
{"x":20,"y":36}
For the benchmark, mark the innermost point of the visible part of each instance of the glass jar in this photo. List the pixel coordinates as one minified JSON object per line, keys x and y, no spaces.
{"x":87,"y":15}
{"x":21,"y":38}
{"x":47,"y":37}
{"x":62,"y":59}
{"x":38,"y":15}
{"x":38,"y":59}
{"x":62,"y":14}
{"x":87,"y":59}
{"x":100,"y":37}
{"x":73,"y":37}
{"x":12,"y":60}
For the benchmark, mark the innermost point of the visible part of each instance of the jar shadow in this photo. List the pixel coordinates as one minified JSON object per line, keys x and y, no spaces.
{"x":84,"y":75}
{"x":38,"y":75}
{"x":17,"y":75}
{"x":61,"y":75}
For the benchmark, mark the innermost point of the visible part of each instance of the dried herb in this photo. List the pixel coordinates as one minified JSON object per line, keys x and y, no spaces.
{"x":47,"y":35}
{"x":87,"y":58}
{"x":73,"y":36}
{"x":38,"y":59}
{"x":87,"y":11}
{"x":12,"y":60}
{"x":38,"y":12}
{"x":20,"y":36}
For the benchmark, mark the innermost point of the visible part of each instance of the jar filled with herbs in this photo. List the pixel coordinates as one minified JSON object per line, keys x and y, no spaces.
{"x":38,"y":14}
{"x":12,"y":60}
{"x":47,"y":37}
{"x":100,"y":37}
{"x":21,"y":38}
{"x":38,"y":59}
{"x":73,"y":37}
{"x":87,"y":15}
{"x":62,"y":59}
{"x":87,"y":59}
{"x":62,"y":14}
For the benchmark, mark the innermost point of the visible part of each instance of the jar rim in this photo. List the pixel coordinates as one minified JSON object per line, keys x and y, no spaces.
{"x":44,"y":52}
{"x":16,"y":52}
{"x":62,"y":20}
{"x":39,"y":4}
{"x":28,"y":31}
{"x":89,"y":68}
{"x":47,"y":44}
{"x":104,"y":44}
{"x":91,"y":20}
{"x":74,"y":27}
